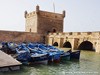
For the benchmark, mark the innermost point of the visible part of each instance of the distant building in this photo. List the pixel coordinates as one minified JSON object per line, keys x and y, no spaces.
{"x":44,"y":22}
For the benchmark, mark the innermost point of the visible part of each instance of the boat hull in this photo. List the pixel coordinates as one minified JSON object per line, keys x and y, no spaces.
{"x":66,"y":56}
{"x":43,"y":59}
{"x":40,"y":62}
{"x":75,"y":55}
{"x":54,"y":58}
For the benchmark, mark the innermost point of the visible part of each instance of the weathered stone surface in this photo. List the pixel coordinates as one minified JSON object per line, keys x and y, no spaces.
{"x":76,"y":39}
{"x":44,"y":22}
{"x":7,"y":60}
{"x":13,"y":36}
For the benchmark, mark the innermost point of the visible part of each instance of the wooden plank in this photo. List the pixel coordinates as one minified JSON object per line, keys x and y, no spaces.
{"x":7,"y":60}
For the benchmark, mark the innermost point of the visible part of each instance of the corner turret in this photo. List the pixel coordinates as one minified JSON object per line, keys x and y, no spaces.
{"x":64,"y":13}
{"x":37,"y":9}
{"x":25,"y":13}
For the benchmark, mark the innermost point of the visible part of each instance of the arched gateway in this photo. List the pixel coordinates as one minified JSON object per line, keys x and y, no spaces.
{"x":86,"y":45}
{"x":67,"y":45}
{"x":55,"y":44}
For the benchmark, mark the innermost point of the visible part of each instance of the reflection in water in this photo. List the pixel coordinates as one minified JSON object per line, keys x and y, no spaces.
{"x":89,"y":64}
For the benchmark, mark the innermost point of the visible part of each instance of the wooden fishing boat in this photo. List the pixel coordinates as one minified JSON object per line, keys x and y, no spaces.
{"x":75,"y":55}
{"x":66,"y":55}
{"x":54,"y":56}
{"x":39,"y":58}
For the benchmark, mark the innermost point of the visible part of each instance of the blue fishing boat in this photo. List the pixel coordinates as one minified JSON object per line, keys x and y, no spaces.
{"x":8,"y":47}
{"x":39,"y":58}
{"x":52,"y":52}
{"x":24,"y":58}
{"x":66,"y":55}
{"x":54,"y":56}
{"x":75,"y":55}
{"x":23,"y":54}
{"x":39,"y":53}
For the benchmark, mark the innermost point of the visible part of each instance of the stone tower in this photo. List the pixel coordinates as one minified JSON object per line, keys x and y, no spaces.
{"x":44,"y":22}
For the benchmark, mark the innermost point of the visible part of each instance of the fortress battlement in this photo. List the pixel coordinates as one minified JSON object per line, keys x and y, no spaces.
{"x":45,"y":14}
{"x":51,"y":15}
{"x":30,"y":14}
{"x":94,"y":34}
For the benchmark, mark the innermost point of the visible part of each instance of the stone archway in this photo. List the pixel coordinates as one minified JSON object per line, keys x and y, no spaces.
{"x":55,"y":44}
{"x":67,"y":45}
{"x":86,"y":45}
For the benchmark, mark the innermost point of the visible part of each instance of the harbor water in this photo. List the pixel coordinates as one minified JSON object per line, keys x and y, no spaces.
{"x":89,"y":64}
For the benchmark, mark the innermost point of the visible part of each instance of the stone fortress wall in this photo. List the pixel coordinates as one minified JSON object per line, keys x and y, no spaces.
{"x":14,"y":36}
{"x":76,"y":40}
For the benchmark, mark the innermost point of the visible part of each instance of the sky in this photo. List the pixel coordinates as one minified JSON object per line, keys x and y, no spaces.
{"x":81,"y":15}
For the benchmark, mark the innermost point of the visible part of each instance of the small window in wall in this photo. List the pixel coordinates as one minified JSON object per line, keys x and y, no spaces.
{"x":54,"y":30}
{"x":30,"y":29}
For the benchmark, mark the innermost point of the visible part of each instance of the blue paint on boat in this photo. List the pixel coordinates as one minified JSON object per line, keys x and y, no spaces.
{"x":75,"y":55}
{"x":37,"y":52}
